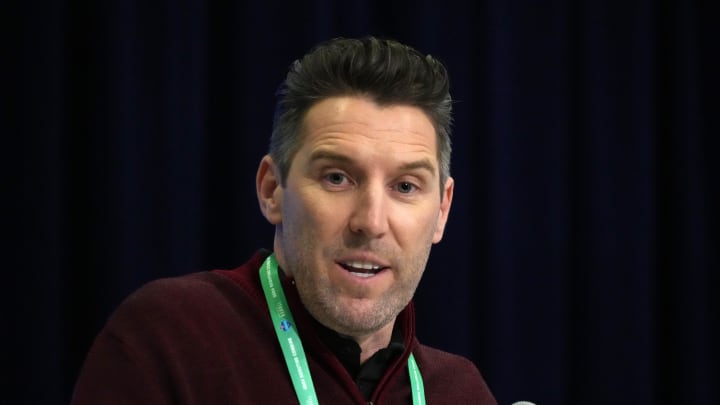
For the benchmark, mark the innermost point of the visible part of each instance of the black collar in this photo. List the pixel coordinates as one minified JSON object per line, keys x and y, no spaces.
{"x":368,"y":374}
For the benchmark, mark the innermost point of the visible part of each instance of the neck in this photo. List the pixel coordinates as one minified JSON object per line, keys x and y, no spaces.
{"x":370,"y":344}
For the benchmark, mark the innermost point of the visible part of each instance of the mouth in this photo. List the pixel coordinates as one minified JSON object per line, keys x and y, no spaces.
{"x":362,"y":269}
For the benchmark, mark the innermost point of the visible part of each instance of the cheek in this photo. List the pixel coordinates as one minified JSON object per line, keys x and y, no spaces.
{"x":312,"y":212}
{"x":412,"y":225}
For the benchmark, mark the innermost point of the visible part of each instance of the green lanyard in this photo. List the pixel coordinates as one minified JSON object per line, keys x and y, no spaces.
{"x":291,"y":345}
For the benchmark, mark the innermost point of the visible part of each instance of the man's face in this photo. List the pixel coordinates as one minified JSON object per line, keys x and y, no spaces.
{"x":359,"y":211}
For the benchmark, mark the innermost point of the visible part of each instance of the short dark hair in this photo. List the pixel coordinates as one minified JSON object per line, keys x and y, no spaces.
{"x":383,"y":70}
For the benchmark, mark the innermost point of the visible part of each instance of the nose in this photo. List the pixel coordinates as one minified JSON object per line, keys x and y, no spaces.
{"x":369,"y":216}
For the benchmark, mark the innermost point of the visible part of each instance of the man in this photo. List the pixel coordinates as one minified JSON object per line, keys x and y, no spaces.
{"x":358,"y":187}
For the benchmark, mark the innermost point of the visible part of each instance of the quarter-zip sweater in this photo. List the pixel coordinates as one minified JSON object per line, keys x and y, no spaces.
{"x":207,"y":338}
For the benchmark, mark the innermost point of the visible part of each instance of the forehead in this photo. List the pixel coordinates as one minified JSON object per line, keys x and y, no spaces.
{"x":360,"y":122}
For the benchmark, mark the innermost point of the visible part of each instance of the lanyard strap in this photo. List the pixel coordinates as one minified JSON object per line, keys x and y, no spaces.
{"x":292,"y":348}
{"x":416,"y":382}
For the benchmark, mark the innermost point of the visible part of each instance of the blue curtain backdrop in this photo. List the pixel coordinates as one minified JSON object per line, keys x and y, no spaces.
{"x":580,"y":263}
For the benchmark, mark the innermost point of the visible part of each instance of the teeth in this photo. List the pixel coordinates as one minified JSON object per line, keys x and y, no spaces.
{"x":362,"y":275}
{"x":362,"y":265}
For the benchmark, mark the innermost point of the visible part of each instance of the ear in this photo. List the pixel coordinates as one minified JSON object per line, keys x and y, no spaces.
{"x":269,"y":190}
{"x":445,"y":204}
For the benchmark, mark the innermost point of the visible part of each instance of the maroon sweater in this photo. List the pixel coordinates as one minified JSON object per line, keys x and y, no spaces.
{"x":207,"y":338}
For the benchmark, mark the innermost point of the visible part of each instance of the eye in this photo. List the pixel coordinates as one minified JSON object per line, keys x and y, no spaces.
{"x":405,"y":187}
{"x":335,"y":178}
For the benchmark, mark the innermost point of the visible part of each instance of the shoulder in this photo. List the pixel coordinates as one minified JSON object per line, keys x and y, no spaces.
{"x":194,"y":301}
{"x":442,"y":361}
{"x":187,"y":302}
{"x":189,"y":331}
{"x":203,"y":293}
{"x":182,"y":292}
{"x":452,"y":375}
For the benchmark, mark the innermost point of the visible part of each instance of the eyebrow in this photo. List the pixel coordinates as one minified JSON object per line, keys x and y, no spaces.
{"x":424,"y":164}
{"x":328,"y":155}
{"x":419,"y":164}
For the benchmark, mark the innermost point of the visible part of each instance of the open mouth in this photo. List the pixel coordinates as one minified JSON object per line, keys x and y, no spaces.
{"x":362,"y":269}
